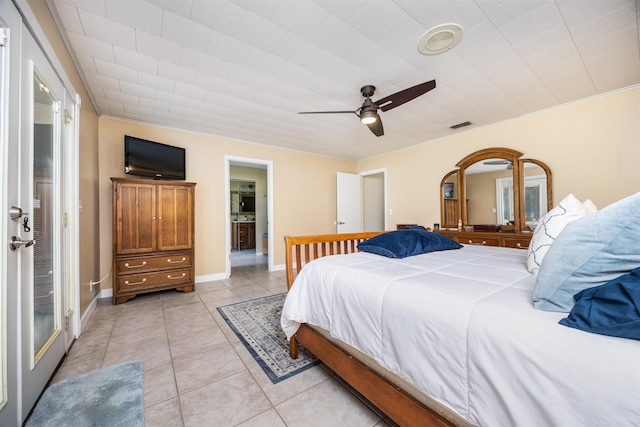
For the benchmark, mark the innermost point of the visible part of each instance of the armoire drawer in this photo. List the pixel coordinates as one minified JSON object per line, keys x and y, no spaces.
{"x":150,"y":263}
{"x":153,"y":279}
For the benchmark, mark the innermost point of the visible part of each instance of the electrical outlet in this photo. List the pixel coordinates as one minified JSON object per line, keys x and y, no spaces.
{"x":390,"y":211}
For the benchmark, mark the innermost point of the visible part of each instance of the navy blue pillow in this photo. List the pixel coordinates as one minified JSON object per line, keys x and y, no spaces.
{"x":611,"y":309}
{"x":415,"y":227}
{"x":407,"y":242}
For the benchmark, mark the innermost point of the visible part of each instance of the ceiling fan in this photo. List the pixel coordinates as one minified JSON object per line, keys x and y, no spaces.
{"x":500,"y":162}
{"x":368,"y":111}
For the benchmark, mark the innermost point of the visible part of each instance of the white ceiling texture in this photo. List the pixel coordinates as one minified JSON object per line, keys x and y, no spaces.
{"x":243,"y":69}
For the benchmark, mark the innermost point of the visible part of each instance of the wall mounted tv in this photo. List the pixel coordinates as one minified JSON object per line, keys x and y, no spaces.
{"x":153,"y":159}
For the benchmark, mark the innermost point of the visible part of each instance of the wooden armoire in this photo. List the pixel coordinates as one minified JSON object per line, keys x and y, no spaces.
{"x":153,"y":236}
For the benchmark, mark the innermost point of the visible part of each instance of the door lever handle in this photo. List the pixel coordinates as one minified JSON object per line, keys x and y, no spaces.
{"x":15,"y":243}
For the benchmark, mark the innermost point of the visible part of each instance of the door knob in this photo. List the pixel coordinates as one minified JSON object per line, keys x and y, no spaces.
{"x":15,"y":212}
{"x":15,"y":243}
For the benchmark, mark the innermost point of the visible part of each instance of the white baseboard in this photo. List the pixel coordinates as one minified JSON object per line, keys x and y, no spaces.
{"x":87,"y":315}
{"x":211,"y":277}
{"x":105,"y":293}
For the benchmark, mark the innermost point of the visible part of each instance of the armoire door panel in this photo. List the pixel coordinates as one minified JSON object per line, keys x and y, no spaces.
{"x":176,"y":217}
{"x":136,"y":218}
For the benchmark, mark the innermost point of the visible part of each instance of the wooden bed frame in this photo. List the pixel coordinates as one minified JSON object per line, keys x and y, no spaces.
{"x":389,"y":398}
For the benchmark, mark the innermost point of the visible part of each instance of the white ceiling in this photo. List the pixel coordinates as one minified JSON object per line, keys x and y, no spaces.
{"x":242,"y":69}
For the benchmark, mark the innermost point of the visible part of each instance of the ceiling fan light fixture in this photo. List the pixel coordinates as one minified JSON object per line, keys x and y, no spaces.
{"x":368,"y":117}
{"x":440,"y":39}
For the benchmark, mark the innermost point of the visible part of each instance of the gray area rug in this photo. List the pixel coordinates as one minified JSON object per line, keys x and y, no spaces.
{"x":113,"y":396}
{"x":257,"y":324}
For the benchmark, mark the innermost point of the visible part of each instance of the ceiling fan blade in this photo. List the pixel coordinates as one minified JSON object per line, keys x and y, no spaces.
{"x":327,"y":112}
{"x":496,"y":162}
{"x":399,"y":98}
{"x":376,"y":127}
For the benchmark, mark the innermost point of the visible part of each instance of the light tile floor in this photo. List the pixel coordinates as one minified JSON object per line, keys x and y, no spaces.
{"x":197,"y":372}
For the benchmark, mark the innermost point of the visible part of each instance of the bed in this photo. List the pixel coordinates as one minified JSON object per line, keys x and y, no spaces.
{"x":450,"y":338}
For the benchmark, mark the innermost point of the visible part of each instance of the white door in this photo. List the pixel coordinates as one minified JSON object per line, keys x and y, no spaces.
{"x":10,"y":27}
{"x":40,"y":256}
{"x":349,"y":203}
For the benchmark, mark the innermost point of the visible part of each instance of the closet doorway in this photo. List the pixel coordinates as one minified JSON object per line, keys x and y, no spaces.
{"x":249,"y":211}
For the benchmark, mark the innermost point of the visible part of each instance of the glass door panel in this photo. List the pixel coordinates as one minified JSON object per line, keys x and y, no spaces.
{"x":44,"y":287}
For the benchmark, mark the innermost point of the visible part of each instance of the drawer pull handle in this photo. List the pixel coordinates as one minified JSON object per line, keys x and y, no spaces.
{"x":484,"y":242}
{"x":176,"y":262}
{"x":126,"y":282}
{"x":126,"y":264}
{"x":176,"y":278}
{"x":518,"y":245}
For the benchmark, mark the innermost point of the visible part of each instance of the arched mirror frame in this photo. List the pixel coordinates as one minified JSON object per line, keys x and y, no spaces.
{"x":449,"y":205}
{"x":507,"y":154}
{"x":546,"y":169}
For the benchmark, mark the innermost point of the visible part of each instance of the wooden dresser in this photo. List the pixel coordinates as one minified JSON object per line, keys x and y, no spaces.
{"x":153,"y":234}
{"x":488,"y":238}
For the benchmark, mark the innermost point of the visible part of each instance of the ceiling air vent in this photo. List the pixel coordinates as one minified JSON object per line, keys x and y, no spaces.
{"x":460,"y":125}
{"x":440,"y":39}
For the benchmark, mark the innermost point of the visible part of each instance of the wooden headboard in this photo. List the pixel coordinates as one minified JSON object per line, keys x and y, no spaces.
{"x":303,"y":249}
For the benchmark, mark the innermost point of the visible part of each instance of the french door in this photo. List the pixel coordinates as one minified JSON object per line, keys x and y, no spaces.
{"x":35,"y":262}
{"x":41,"y":196}
{"x":10,"y":25}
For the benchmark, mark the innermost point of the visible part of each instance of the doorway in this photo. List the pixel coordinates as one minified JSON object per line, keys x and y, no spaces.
{"x":249,"y":208}
{"x":374,"y":201}
{"x":361,"y":201}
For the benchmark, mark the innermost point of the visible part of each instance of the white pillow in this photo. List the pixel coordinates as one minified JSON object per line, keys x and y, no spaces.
{"x":550,"y":226}
{"x":590,"y":206}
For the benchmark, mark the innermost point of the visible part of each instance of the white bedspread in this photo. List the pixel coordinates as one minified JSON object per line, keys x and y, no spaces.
{"x":460,"y":325}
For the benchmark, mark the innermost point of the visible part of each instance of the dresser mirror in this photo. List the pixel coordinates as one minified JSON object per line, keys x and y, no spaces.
{"x":495,"y":190}
{"x":536,"y":192}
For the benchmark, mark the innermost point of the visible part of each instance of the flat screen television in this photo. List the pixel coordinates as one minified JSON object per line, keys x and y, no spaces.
{"x":153,"y":159}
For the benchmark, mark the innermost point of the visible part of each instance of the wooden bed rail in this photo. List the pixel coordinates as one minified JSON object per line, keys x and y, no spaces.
{"x":302,"y":249}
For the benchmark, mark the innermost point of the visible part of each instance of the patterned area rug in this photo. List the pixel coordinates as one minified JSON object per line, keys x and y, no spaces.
{"x":112,"y":396}
{"x":257,"y":324}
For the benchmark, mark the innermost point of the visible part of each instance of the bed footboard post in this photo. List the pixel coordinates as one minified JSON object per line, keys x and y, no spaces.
{"x":293,"y":347}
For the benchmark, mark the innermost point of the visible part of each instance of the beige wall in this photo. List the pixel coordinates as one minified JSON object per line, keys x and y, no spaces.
{"x":304,"y":188}
{"x":591,"y":147}
{"x":88,"y":176}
